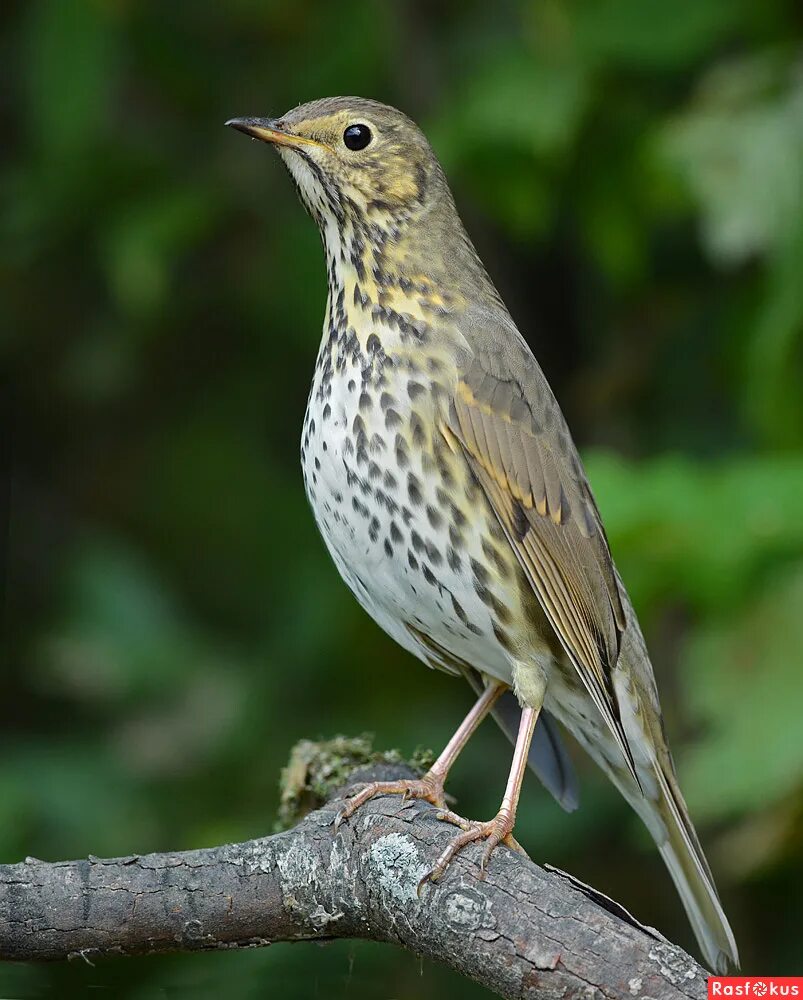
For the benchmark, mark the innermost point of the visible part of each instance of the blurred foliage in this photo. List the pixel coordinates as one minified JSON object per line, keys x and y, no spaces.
{"x":632,"y":172}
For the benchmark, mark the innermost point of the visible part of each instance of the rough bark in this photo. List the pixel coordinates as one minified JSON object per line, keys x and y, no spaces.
{"x":521,"y":931}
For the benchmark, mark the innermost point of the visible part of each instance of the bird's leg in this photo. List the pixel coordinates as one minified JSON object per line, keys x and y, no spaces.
{"x":430,"y":786}
{"x":499,"y":829}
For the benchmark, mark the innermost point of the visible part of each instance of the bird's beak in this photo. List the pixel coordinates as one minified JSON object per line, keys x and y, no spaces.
{"x":265,"y":130}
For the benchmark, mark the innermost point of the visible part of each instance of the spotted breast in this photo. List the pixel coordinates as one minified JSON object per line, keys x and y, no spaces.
{"x":397,"y":509}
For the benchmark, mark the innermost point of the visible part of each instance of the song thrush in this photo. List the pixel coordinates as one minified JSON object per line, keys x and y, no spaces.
{"x":450,"y":495}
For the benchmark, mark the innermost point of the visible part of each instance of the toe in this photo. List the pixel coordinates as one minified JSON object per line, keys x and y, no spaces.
{"x":417,"y":788}
{"x":447,"y":816}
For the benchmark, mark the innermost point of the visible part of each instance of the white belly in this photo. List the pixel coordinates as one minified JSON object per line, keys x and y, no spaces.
{"x":392,"y":546}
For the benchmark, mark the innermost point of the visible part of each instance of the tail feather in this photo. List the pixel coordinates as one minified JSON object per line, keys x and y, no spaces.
{"x":668,"y":820}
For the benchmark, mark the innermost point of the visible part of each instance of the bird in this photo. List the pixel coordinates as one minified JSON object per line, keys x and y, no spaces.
{"x":452,"y":499}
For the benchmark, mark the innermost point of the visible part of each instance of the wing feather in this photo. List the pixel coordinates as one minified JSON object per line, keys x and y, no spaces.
{"x":531,"y":474}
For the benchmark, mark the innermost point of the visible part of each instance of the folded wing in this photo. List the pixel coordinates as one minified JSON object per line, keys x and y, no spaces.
{"x":507,"y":423}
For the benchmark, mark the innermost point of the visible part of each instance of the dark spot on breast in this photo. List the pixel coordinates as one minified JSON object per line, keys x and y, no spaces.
{"x":395,"y":534}
{"x":446,"y":475}
{"x":388,"y":549}
{"x":458,"y":610}
{"x":392,"y":419}
{"x":503,"y":638}
{"x":417,"y":430}
{"x":365,"y":402}
{"x":434,"y":516}
{"x":453,"y":559}
{"x":433,"y":554}
{"x":402,"y":458}
{"x":461,"y":614}
{"x":417,"y":542}
{"x":500,"y":612}
{"x":414,"y":490}
{"x":480,"y":572}
{"x":414,"y":390}
{"x":412,"y":561}
{"x":385,"y":501}
{"x":492,"y":554}
{"x":427,"y":463}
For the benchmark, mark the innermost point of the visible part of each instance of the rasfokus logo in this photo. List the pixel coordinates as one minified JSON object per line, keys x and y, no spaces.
{"x":756,"y":986}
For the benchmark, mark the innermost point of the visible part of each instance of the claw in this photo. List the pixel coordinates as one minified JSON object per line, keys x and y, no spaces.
{"x":429,"y":788}
{"x":495,"y":832}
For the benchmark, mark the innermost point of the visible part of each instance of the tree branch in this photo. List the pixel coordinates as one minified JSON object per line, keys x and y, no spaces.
{"x":522,"y":931}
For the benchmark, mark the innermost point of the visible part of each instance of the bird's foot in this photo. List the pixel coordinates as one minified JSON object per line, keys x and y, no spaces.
{"x":429,"y":788}
{"x":494,"y":832}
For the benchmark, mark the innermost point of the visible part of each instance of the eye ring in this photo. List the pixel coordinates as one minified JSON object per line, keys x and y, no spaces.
{"x":357,"y":137}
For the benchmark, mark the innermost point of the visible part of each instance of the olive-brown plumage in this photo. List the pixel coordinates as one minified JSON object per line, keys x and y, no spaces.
{"x":452,"y":499}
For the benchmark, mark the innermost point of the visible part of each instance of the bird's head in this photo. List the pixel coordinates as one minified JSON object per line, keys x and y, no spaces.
{"x":355,"y":162}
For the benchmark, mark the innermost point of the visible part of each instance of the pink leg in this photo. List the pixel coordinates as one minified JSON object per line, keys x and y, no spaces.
{"x":510,"y":800}
{"x":466,"y":730}
{"x":499,"y":829}
{"x":430,"y":786}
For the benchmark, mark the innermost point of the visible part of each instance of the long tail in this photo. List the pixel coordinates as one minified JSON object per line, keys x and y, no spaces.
{"x":668,"y":821}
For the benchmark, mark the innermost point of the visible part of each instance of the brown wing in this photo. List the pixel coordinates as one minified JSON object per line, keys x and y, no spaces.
{"x":516,"y":441}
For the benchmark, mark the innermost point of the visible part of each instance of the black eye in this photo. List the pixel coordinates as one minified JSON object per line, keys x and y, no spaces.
{"x":357,"y":136}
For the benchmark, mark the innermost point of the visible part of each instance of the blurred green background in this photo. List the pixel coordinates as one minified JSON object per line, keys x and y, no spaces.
{"x":632,"y":173}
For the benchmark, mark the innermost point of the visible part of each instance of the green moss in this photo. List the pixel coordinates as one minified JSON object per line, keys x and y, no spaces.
{"x":317,"y":769}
